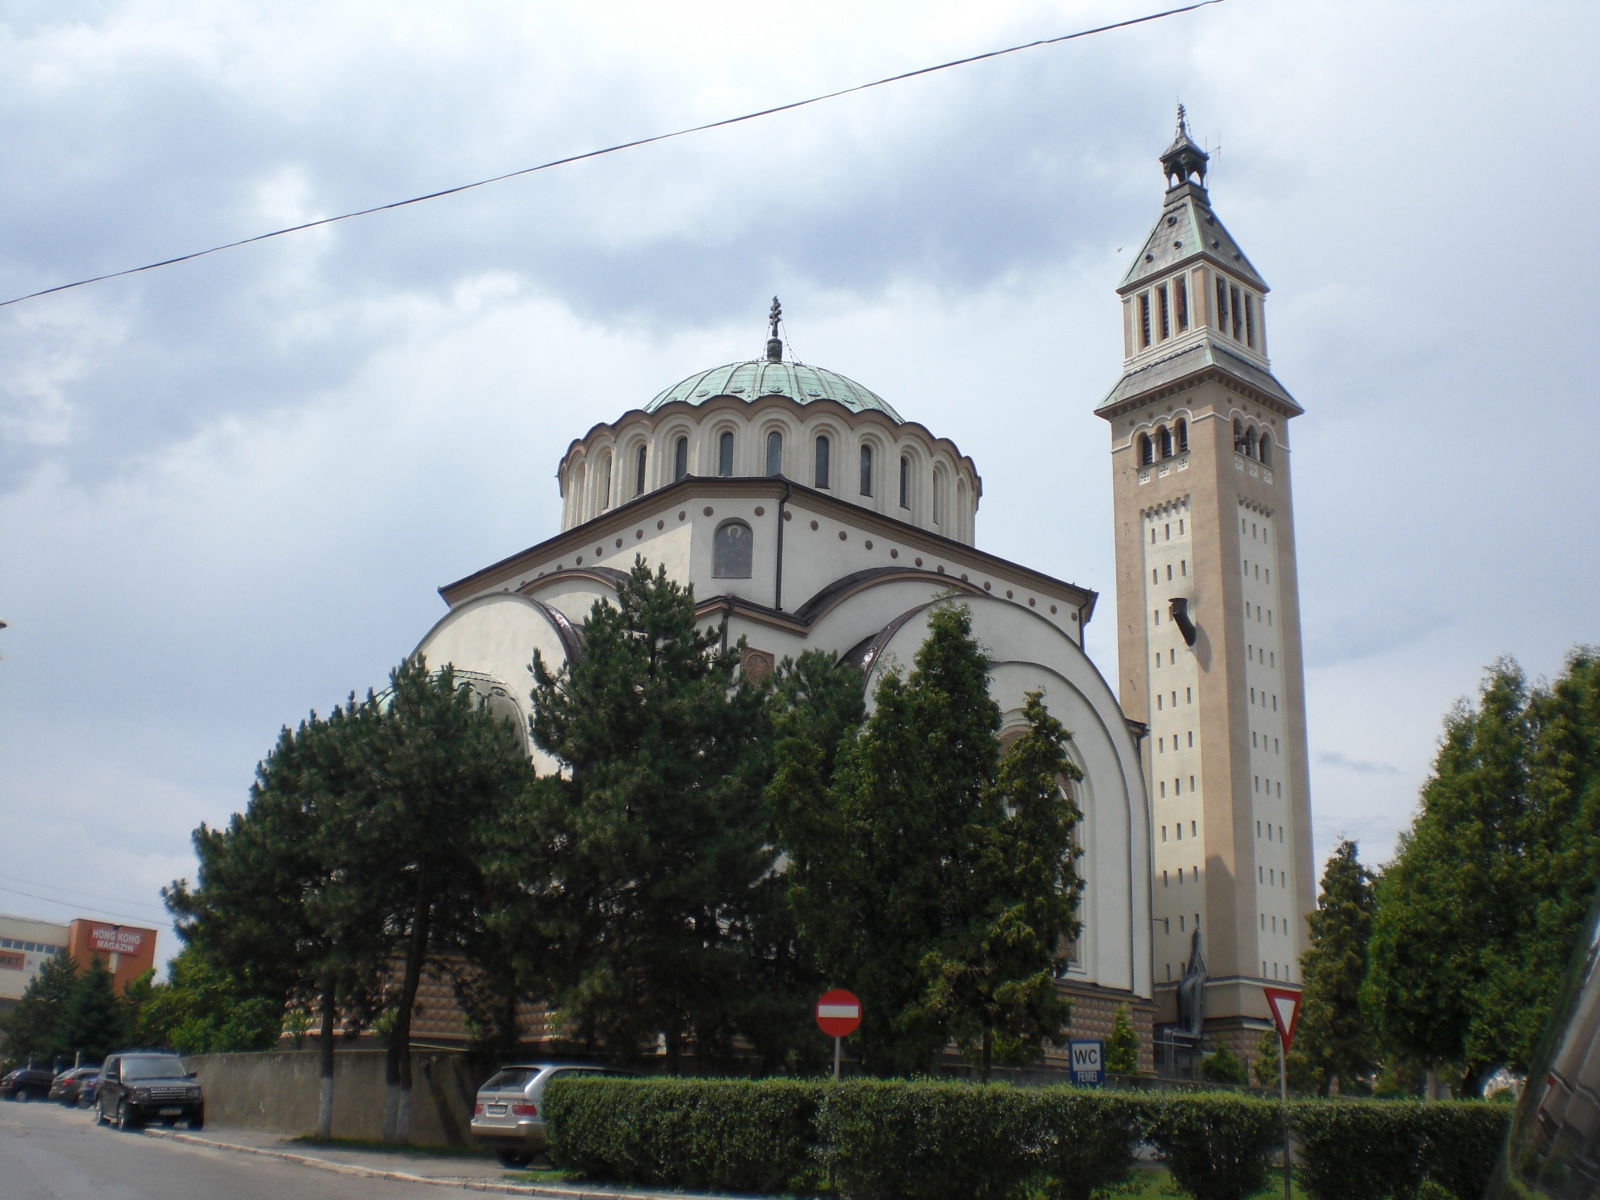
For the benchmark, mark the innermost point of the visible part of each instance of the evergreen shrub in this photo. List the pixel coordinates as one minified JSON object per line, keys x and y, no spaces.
{"x":705,"y":1134}
{"x":924,"y":1140}
{"x":1216,"y":1145}
{"x":1375,"y":1149}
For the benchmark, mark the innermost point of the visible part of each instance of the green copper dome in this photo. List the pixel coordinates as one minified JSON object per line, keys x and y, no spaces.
{"x":764,"y":377}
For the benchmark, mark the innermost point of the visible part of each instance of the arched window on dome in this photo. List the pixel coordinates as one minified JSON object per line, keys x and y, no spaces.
{"x":603,"y":483}
{"x":774,"y":453}
{"x":824,"y":450}
{"x":866,"y":470}
{"x":905,"y":481}
{"x":938,"y":496}
{"x":680,"y":457}
{"x":639,"y":461}
{"x":1146,"y":450}
{"x":731,"y":551}
{"x":1182,"y":428}
{"x":1164,"y":437}
{"x":725,"y":453}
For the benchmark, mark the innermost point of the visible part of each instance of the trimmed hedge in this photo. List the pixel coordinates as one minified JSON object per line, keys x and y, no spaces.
{"x":1388,"y":1149}
{"x":706,"y":1134}
{"x":927,"y":1140}
{"x":888,"y":1140}
{"x":1216,"y":1144}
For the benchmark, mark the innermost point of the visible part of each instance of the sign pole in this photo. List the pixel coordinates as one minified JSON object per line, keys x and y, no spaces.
{"x":838,"y":1057}
{"x":1283,"y":1109}
{"x":1284,"y":1005}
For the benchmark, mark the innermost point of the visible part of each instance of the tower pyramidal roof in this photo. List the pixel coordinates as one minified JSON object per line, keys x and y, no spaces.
{"x":1187,"y":228}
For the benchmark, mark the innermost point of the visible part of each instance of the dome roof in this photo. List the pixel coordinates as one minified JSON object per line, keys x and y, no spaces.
{"x":751,"y":380}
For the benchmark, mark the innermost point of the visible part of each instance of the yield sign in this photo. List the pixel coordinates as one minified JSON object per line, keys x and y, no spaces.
{"x":838,"y":1013}
{"x":1285,"y":1008}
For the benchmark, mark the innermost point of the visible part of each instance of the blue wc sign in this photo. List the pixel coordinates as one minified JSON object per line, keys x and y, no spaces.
{"x":1088,"y":1062}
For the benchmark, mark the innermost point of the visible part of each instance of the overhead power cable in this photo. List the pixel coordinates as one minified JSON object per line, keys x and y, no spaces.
{"x":645,"y":141}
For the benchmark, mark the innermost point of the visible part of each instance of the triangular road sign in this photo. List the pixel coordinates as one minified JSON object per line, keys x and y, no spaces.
{"x":1285,"y":1008}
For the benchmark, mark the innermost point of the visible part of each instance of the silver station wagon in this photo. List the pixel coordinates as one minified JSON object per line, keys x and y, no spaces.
{"x":508,"y":1113}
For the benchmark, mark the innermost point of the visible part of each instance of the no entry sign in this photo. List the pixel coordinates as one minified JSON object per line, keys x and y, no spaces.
{"x":838,"y":1013}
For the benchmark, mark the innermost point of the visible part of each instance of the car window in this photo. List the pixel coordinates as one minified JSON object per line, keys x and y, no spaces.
{"x":152,"y":1067}
{"x":508,"y":1078}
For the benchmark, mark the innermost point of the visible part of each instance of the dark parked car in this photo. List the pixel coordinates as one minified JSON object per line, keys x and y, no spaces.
{"x":27,"y":1083}
{"x":68,"y":1087}
{"x":508,"y":1115}
{"x":137,"y":1086}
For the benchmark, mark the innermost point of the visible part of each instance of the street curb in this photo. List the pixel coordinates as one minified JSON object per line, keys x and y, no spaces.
{"x":473,"y":1185}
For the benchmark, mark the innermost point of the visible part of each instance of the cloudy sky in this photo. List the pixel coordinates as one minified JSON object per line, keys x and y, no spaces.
{"x":230,"y":488}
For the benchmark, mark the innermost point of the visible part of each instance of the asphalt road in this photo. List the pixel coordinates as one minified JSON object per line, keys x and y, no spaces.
{"x":52,"y":1153}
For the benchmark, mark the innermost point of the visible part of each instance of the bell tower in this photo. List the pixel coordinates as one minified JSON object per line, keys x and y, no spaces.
{"x":1208,"y":616}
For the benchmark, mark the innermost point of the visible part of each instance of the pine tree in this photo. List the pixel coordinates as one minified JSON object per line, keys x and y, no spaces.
{"x":1481,"y":906}
{"x":934,"y":884}
{"x":1332,"y":1033}
{"x":94,"y":1023}
{"x":35,"y":1030}
{"x":1122,"y":1047}
{"x":654,"y":844}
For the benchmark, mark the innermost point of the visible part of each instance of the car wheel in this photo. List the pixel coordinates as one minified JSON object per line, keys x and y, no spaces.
{"x":99,"y":1114}
{"x":513,"y":1158}
{"x":124,"y":1121}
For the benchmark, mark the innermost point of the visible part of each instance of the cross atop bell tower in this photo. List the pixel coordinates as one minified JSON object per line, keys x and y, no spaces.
{"x":1208,"y":614}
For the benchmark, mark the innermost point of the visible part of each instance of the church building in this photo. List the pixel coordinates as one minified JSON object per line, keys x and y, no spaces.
{"x":807,"y":512}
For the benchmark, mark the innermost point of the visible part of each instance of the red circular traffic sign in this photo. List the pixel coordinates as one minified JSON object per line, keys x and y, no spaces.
{"x":838,"y":1013}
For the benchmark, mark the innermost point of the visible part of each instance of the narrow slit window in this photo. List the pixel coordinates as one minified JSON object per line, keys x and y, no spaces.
{"x":1222,"y":305}
{"x":638,"y":470}
{"x":680,"y":457}
{"x":725,"y":453}
{"x":866,"y":470}
{"x":1144,"y":319}
{"x":1180,"y":303}
{"x":905,"y":481}
{"x":1238,"y":318}
{"x":824,"y":449}
{"x":1249,"y":321}
{"x":774,"y":453}
{"x":1164,"y":311}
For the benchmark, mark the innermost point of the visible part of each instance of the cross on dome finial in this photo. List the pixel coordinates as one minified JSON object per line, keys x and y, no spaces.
{"x":774,"y":343}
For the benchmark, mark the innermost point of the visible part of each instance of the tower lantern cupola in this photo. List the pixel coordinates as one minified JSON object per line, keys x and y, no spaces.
{"x":1183,"y":159}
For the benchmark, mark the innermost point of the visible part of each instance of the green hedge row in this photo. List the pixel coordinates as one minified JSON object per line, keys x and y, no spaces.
{"x":924,"y":1140}
{"x":1383,"y":1149}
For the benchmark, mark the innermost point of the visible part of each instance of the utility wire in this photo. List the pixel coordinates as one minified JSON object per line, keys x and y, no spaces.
{"x":660,"y":137}
{"x":106,"y":914}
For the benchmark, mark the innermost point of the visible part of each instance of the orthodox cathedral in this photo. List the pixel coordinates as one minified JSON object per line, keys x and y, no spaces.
{"x":807,"y":512}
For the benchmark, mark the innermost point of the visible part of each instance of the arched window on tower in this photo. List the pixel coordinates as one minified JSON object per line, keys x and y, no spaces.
{"x":866,"y":470}
{"x":730,"y":551}
{"x":680,"y":457}
{"x":774,"y":453}
{"x":725,"y":453}
{"x":824,"y":451}
{"x":1264,"y":448}
{"x":1146,"y":450}
{"x":1164,"y":437}
{"x":1238,"y":436}
{"x":1250,"y":443}
{"x":1182,"y":428}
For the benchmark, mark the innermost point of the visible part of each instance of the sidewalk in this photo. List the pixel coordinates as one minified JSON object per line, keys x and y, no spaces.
{"x":441,"y":1170}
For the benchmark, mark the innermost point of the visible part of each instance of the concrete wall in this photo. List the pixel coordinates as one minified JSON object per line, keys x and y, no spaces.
{"x":278,"y":1091}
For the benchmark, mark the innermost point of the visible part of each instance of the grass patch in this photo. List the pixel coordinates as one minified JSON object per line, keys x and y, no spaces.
{"x":1156,"y":1183}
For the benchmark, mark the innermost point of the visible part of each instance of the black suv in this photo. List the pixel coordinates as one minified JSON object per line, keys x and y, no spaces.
{"x":148,"y":1085}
